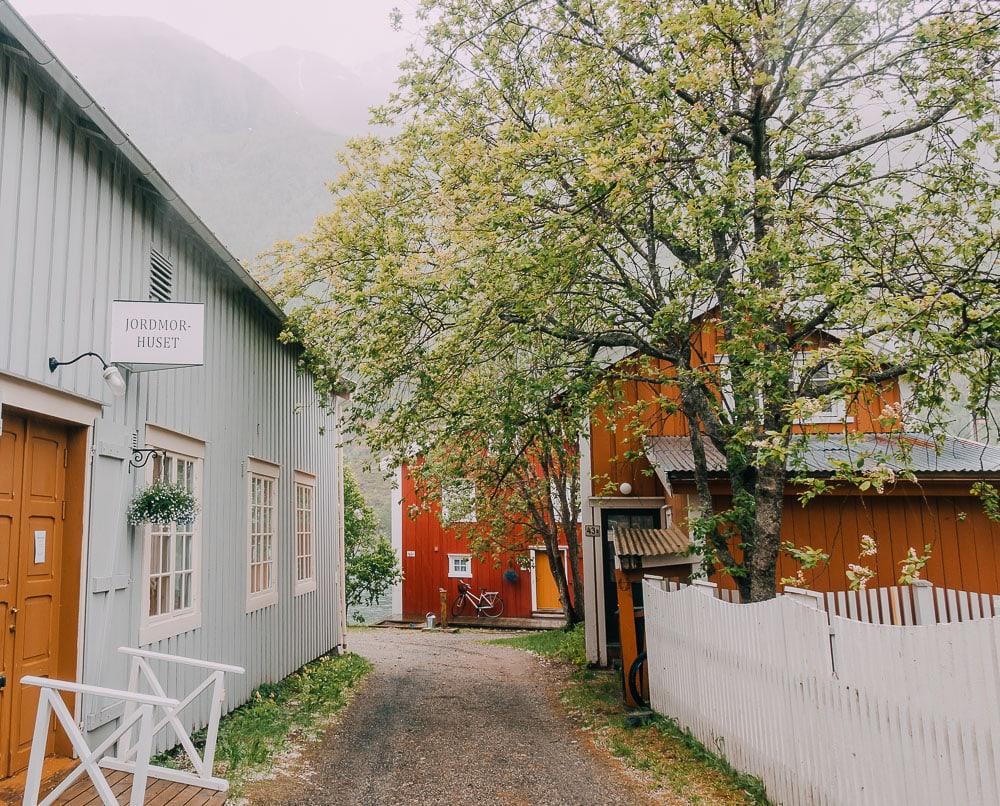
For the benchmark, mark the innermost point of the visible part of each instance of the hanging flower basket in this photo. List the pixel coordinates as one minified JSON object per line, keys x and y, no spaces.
{"x":512,"y":576}
{"x":162,"y":503}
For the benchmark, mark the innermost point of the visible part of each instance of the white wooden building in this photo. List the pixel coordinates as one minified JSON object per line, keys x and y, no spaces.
{"x":257,"y":580}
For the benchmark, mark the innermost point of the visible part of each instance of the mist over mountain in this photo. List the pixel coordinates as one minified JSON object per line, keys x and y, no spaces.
{"x":325,"y":92}
{"x":236,"y":149}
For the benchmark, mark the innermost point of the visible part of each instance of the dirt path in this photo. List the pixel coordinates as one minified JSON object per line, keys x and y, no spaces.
{"x":444,"y":719}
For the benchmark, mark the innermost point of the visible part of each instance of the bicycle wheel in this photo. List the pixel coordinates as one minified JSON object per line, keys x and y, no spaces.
{"x":495,"y":609}
{"x":634,"y":680}
{"x":459,"y":605}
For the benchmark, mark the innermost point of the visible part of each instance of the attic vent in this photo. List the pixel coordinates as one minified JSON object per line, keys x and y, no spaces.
{"x":161,"y":277}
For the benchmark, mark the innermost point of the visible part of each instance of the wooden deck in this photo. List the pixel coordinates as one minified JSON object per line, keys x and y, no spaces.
{"x":158,"y":792}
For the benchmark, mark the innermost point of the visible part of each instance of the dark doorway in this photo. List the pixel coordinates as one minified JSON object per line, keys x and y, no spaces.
{"x":610,"y":520}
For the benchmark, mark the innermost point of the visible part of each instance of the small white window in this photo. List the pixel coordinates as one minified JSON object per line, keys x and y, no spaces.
{"x":460,"y":565}
{"x":305,"y":517}
{"x":262,"y":581}
{"x":834,"y":410}
{"x":171,"y":562}
{"x":458,"y":502}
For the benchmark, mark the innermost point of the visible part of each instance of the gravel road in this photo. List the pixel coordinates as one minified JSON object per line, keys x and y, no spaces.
{"x":444,"y":719}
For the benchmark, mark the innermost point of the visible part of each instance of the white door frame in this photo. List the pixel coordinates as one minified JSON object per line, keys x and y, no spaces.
{"x":534,"y":588}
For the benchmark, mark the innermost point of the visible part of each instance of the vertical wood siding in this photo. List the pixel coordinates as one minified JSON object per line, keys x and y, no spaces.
{"x":76,"y":227}
{"x":611,"y":436}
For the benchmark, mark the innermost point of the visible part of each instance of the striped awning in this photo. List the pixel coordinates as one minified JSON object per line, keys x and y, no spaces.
{"x":650,"y":542}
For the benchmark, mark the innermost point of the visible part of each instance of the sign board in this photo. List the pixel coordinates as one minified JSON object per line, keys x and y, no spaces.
{"x":39,"y":547}
{"x":157,"y":335}
{"x":592,"y":532}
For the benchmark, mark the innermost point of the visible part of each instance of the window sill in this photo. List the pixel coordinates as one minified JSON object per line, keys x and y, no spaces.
{"x":459,"y":576}
{"x":258,"y":601}
{"x":305,"y":586}
{"x":170,"y":627}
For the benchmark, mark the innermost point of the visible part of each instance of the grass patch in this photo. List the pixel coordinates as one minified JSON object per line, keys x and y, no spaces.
{"x":672,"y":758}
{"x":296,"y":708}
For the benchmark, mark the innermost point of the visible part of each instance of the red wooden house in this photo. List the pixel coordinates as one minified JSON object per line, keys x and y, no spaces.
{"x":435,"y":555}
{"x":654,"y":491}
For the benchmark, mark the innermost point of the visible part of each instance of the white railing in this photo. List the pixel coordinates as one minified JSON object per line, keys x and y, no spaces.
{"x":50,"y":702}
{"x":827,"y":709}
{"x":141,"y":673}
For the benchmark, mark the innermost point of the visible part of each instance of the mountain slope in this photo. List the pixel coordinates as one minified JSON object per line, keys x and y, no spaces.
{"x":231,"y":144}
{"x":323,"y":90}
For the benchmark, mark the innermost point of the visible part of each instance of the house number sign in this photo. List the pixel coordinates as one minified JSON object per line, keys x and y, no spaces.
{"x":157,"y":335}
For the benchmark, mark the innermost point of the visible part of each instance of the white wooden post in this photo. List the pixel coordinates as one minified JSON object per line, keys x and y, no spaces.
{"x":144,"y":747}
{"x":38,"y":742}
{"x":923,"y":602}
{"x":125,"y":744}
{"x":211,"y":737}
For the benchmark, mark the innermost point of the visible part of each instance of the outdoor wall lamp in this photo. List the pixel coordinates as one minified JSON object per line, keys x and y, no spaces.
{"x":112,"y":377}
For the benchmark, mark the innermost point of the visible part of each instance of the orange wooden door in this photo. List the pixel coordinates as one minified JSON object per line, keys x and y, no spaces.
{"x":11,"y":474}
{"x":546,"y":592}
{"x":32,"y":497}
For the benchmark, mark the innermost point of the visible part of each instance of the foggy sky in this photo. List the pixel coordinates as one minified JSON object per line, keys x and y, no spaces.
{"x":349,"y":31}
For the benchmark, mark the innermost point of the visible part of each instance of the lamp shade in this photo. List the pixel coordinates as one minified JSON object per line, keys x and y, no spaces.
{"x":113,"y":378}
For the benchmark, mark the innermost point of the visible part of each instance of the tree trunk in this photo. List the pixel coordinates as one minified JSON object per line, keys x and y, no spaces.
{"x":573,"y":555}
{"x":559,"y":574}
{"x":769,"y":500}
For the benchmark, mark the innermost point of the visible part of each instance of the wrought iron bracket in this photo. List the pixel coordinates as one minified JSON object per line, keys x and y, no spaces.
{"x":141,"y":457}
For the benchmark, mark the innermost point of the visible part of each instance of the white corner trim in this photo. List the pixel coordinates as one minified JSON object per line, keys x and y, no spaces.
{"x":396,"y":534}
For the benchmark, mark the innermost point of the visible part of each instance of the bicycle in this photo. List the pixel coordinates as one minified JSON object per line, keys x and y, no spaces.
{"x":488,"y":603}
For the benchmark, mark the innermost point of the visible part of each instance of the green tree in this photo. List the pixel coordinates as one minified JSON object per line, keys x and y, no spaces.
{"x":582,"y":179}
{"x":371,"y":562}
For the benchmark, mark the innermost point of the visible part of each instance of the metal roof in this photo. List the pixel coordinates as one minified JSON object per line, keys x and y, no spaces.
{"x":650,"y":542}
{"x":821,"y":453}
{"x":14,"y":30}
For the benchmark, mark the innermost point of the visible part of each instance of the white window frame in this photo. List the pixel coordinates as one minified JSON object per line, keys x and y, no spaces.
{"x":455,"y":574}
{"x":838,"y":414}
{"x":266,"y":470}
{"x":305,"y":584}
{"x":458,"y":486}
{"x":168,"y":625}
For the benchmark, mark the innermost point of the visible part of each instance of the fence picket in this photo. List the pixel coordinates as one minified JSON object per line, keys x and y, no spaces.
{"x":758,"y":682}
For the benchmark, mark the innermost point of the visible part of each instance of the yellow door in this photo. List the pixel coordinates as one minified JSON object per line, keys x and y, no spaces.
{"x":32,"y":493}
{"x":546,"y":592}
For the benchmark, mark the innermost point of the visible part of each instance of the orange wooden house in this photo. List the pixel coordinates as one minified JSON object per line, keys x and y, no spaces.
{"x":654,"y":491}
{"x":435,"y":554}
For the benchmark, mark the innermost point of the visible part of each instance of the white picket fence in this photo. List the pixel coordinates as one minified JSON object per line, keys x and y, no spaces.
{"x":827,"y":709}
{"x":921,"y":603}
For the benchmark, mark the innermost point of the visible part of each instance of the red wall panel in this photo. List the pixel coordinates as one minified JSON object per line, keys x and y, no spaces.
{"x":426,"y":572}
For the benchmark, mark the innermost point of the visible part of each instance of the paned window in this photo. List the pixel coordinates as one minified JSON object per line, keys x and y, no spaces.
{"x":460,"y":565}
{"x":458,"y":502}
{"x":171,"y":561}
{"x":305,"y":525}
{"x":262,"y":581}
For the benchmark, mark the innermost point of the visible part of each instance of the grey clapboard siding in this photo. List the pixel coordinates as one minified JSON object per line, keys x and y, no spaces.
{"x":76,"y":227}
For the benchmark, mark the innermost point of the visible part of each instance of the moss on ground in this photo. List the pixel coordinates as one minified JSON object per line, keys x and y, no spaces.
{"x":296,"y":708}
{"x":669,"y":755}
